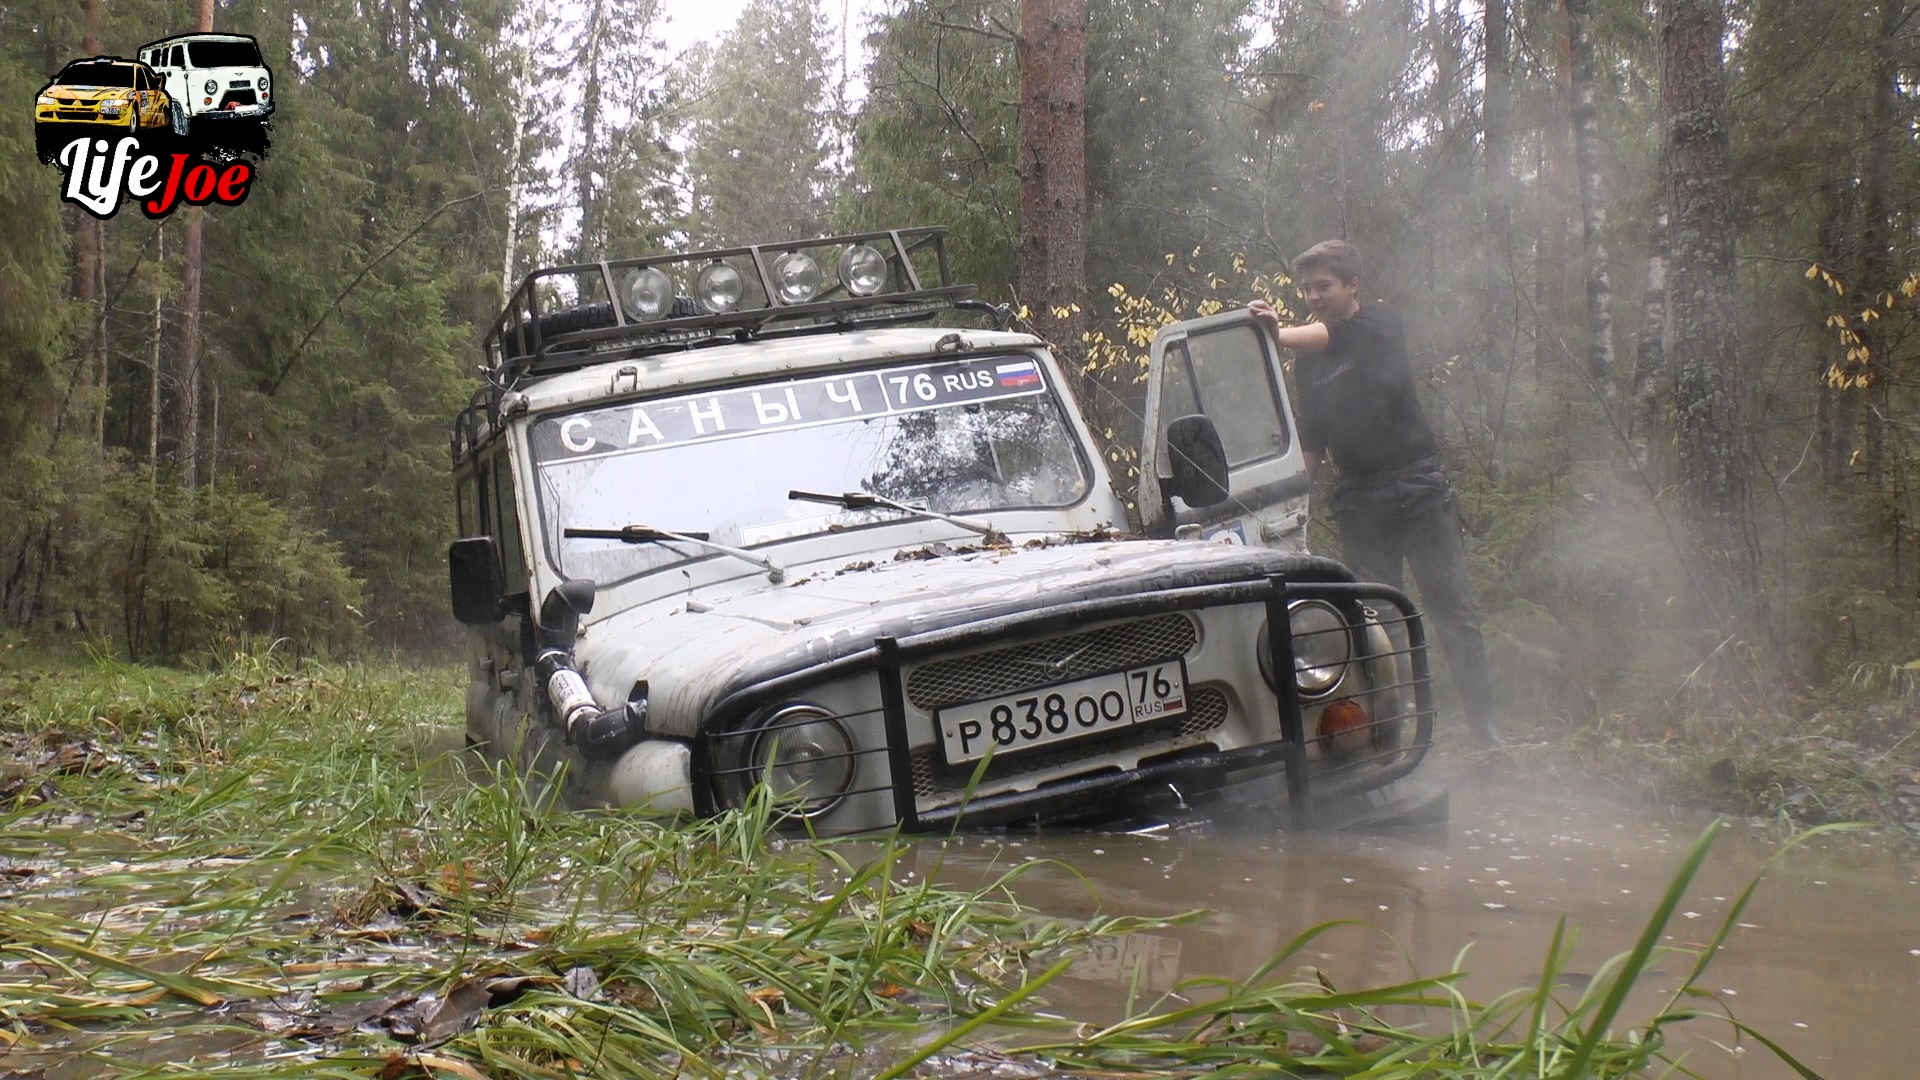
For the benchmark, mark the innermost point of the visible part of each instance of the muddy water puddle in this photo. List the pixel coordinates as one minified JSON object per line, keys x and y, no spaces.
{"x":1825,"y":960}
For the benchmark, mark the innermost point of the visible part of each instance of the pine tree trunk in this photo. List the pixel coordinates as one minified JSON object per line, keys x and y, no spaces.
{"x":1052,"y":52}
{"x":1695,"y":167}
{"x":189,"y":351}
{"x":87,"y":237}
{"x":1593,"y":205}
{"x":1836,"y":406}
{"x":1873,"y":276}
{"x":1499,"y":188}
{"x":153,"y":360}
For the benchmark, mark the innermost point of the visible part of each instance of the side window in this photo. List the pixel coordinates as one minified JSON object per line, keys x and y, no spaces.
{"x":463,"y":506}
{"x":506,"y":526}
{"x":1234,"y":385}
{"x":179,"y":56}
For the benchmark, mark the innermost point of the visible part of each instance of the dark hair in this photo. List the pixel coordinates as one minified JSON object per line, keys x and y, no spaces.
{"x":1336,"y":255}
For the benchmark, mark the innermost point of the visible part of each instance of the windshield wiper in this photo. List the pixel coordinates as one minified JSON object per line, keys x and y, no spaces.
{"x":866,"y":500}
{"x":647,"y":534}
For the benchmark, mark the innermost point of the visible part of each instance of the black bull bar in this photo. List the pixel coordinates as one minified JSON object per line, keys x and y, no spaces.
{"x":721,"y":777}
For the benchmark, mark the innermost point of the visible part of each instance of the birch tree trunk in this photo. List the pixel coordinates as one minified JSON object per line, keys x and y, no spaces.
{"x":520,"y":100}
{"x":1650,"y":354}
{"x":586,"y":162}
{"x":1715,"y":478}
{"x":1593,"y":206}
{"x":1051,"y":273}
{"x":189,"y":351}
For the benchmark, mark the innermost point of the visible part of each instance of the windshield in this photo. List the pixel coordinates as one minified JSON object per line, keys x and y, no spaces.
{"x":206,"y":54}
{"x":96,"y":74}
{"x":959,"y":436}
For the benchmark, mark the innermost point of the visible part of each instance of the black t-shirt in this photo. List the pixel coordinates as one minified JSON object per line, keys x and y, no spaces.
{"x":1357,"y":400}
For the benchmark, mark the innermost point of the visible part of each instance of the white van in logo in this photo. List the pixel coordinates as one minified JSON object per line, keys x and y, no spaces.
{"x":211,"y":77}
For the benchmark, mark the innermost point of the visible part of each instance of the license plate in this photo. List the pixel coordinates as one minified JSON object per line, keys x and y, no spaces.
{"x":1050,"y":714}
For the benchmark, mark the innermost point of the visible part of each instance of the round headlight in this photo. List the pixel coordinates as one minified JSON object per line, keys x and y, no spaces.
{"x":804,"y":754}
{"x":649,"y":293}
{"x":719,"y":288}
{"x":863,"y":270}
{"x":1322,"y":645}
{"x":796,"y":277}
{"x":211,"y":86}
{"x":261,"y":83}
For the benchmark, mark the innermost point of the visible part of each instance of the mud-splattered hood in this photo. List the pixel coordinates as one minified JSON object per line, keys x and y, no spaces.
{"x":692,"y":653}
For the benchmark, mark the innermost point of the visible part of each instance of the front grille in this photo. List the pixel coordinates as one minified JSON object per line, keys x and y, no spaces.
{"x":240,"y":97}
{"x":930,"y":778}
{"x":1029,"y":664}
{"x":75,"y":114}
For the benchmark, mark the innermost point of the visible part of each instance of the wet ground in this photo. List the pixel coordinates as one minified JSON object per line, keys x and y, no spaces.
{"x":1825,"y":960}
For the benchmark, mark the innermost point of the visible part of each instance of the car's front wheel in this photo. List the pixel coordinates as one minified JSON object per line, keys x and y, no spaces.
{"x":182,"y":123}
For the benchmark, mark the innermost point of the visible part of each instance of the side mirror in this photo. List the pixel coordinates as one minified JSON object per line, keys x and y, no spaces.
{"x":473,"y":570}
{"x":1199,"y":461}
{"x":560,"y":612}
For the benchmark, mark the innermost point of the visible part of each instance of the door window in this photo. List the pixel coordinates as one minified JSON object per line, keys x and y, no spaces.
{"x":179,"y":56}
{"x":1224,"y":374}
{"x":1233,"y":383}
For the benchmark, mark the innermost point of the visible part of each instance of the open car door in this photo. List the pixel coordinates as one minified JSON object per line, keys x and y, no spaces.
{"x":1221,"y":373}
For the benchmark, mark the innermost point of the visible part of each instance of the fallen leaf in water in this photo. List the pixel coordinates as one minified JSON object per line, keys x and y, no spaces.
{"x":581,"y":982}
{"x":462,"y":1008}
{"x":457,"y":879}
{"x":468,"y":999}
{"x":434,"y":1063}
{"x":1368,"y":1044}
{"x":410,"y":899}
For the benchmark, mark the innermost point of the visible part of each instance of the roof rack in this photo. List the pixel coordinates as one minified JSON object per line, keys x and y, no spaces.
{"x":563,"y":318}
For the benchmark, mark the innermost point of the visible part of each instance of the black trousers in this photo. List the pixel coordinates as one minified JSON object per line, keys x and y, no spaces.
{"x":1413,"y":520}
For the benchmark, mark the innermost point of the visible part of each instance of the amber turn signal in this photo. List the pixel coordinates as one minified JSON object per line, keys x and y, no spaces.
{"x":1343,"y":727}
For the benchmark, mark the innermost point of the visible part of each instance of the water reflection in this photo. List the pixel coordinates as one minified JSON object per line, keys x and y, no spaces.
{"x":1826,"y":959}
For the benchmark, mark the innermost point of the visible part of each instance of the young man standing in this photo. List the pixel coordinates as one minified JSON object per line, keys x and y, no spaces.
{"x":1393,"y":503}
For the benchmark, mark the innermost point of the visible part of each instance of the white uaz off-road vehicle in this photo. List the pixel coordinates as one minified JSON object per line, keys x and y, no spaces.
{"x":724,"y":521}
{"x":218,"y":77}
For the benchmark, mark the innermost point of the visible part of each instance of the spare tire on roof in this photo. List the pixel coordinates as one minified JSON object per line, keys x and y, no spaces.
{"x":573,"y":319}
{"x":598,"y":316}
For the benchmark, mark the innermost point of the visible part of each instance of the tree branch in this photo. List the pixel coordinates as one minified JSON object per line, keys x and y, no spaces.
{"x":273,"y":387}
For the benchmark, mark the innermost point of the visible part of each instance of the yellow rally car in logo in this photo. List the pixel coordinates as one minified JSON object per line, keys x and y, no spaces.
{"x":104,"y":90}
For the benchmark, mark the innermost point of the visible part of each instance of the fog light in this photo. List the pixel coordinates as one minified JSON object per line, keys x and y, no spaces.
{"x":796,"y":277}
{"x":863,"y":270}
{"x":804,"y":753}
{"x":718,"y":288}
{"x":649,"y":293}
{"x":1343,"y":727}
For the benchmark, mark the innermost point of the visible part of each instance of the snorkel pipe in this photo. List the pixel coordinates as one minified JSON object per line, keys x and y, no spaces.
{"x":600,"y":734}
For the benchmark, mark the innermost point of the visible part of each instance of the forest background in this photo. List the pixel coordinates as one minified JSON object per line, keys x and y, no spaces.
{"x":1692,"y":508}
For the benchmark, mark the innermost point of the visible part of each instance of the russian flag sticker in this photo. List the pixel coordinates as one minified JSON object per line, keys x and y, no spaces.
{"x":1022,"y":373}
